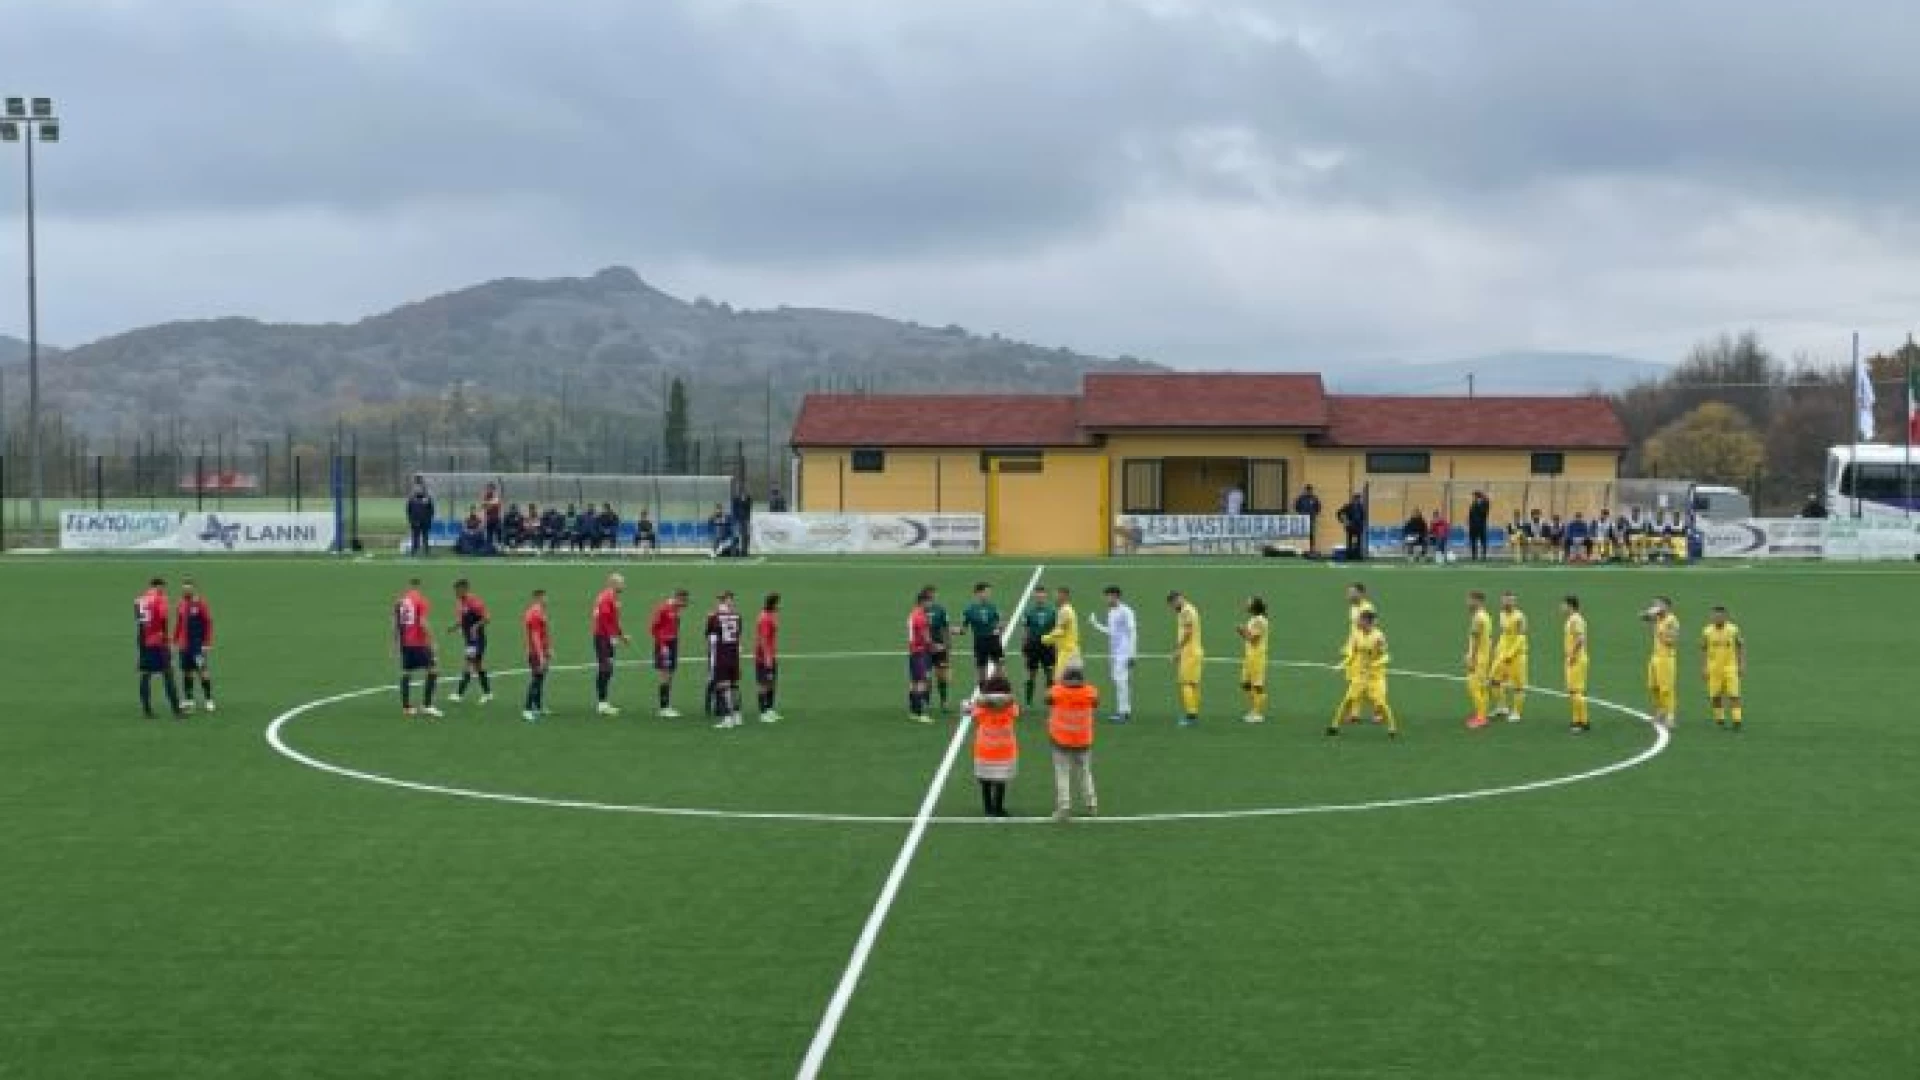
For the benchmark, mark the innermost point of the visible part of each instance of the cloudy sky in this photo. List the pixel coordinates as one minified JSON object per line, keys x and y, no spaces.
{"x":1283,"y":183}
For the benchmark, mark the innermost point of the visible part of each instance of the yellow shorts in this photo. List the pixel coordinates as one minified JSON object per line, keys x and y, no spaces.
{"x":1660,"y":675}
{"x":1577,"y":677}
{"x":1481,"y":676}
{"x":1511,"y":670}
{"x":1190,"y":667}
{"x":1368,"y":691}
{"x":1253,"y":672}
{"x":1723,"y":682}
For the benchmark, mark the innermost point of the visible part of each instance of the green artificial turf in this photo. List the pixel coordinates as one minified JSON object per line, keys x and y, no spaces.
{"x":184,"y":902}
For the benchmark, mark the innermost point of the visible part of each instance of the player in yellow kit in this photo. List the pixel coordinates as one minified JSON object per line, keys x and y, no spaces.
{"x":1253,"y":662}
{"x":1577,"y":658}
{"x":1358,"y":604}
{"x":1661,"y":673}
{"x":1479,"y":657}
{"x":1510,"y":661}
{"x":1725,"y":653}
{"x":1065,"y":635}
{"x":1189,"y":659}
{"x":1366,"y":667}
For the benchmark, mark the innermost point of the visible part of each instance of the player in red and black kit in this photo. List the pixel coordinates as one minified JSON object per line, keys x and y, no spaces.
{"x":766,"y":657}
{"x":192,"y":638}
{"x":150,"y":612}
{"x":607,"y":633}
{"x":665,"y":631}
{"x":723,"y":660}
{"x":413,"y":638}
{"x":472,"y":628}
{"x":539,"y":656}
{"x":919,"y":658}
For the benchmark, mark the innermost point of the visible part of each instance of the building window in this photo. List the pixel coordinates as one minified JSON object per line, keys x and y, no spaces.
{"x":1549,"y":464}
{"x":1400,"y":463}
{"x":1140,"y":486}
{"x":869,"y":461}
{"x":1267,"y":486}
{"x":1013,"y":461}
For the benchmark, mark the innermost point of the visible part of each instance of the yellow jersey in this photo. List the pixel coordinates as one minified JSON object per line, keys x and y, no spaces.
{"x":1722,"y":645}
{"x":1256,"y":637}
{"x":1576,"y":642}
{"x":1513,"y":633}
{"x":1186,"y":623}
{"x":1369,"y":655}
{"x":1480,"y":639}
{"x":1065,"y":635}
{"x":1666,"y":636}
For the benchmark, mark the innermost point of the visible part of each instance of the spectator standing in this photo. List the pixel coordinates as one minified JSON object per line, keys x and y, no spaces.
{"x":490,"y":513}
{"x":776,"y":500}
{"x":1479,"y":511}
{"x":1814,"y":508}
{"x":1353,"y":519}
{"x":1308,"y":506}
{"x":1236,"y":501}
{"x":742,"y":520}
{"x":419,"y":518}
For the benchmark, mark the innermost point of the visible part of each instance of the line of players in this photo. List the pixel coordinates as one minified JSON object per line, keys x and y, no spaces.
{"x":1496,"y":675}
{"x":414,"y":647}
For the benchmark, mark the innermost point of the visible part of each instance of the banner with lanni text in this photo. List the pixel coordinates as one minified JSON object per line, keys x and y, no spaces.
{"x":1210,"y":534}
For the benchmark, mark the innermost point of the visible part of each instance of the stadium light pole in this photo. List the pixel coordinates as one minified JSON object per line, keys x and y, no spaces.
{"x":28,"y":121}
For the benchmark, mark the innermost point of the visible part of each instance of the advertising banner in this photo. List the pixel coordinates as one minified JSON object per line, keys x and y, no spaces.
{"x":119,"y":530}
{"x":1209,"y":534}
{"x":1764,"y":538}
{"x":869,"y":534}
{"x":1871,"y":538}
{"x":255,"y":533}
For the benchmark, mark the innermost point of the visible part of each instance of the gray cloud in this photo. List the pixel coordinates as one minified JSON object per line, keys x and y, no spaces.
{"x":1214,"y":178}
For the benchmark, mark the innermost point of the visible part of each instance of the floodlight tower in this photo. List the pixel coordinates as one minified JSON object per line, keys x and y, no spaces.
{"x":27,"y":121}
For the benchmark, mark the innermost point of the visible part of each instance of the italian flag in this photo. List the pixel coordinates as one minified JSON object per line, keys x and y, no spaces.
{"x":1913,"y":405}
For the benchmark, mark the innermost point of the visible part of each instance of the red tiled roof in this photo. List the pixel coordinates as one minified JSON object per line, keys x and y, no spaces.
{"x":1493,"y":423}
{"x":963,"y":420}
{"x":1203,"y":400}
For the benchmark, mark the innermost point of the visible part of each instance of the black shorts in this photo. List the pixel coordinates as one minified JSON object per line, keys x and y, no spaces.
{"x":192,"y":661}
{"x":477,"y":648}
{"x":766,"y":672}
{"x":941,"y":654}
{"x":415,"y":658}
{"x":155,"y":658}
{"x":666,"y":656}
{"x":989,"y":650}
{"x":603,"y":650}
{"x":1039,"y":655}
{"x":724,"y":667}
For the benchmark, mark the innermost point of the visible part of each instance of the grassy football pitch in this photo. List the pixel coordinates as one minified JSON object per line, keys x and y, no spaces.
{"x":184,"y":901}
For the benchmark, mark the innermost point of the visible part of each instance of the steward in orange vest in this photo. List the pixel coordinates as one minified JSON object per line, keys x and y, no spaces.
{"x":996,"y":751}
{"x":1070,"y":726}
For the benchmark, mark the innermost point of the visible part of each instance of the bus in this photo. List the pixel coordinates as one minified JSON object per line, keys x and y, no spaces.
{"x":1869,"y":481}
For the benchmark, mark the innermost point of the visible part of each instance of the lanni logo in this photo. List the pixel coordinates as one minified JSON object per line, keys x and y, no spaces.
{"x":216,"y":533}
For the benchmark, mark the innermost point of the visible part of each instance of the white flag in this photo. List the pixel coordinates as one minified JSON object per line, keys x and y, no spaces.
{"x":1863,"y":397}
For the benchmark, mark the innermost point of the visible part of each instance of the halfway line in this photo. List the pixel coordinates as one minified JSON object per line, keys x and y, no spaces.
{"x":870,"y":933}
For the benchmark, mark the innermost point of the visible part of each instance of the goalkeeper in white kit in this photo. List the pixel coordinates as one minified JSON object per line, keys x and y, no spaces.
{"x":1123,"y":637}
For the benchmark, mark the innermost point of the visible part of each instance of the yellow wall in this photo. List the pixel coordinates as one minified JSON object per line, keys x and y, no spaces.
{"x":915,"y":481}
{"x":1061,"y":510}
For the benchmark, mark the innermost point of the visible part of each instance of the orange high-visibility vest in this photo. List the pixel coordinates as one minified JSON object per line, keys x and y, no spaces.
{"x":994,"y":742}
{"x":1070,"y":722}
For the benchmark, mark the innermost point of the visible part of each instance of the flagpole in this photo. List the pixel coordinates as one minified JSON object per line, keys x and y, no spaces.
{"x":1907,"y":469}
{"x":1853,"y":465}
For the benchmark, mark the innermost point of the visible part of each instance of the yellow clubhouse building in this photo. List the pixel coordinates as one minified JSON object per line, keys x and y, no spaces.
{"x":1054,"y":473}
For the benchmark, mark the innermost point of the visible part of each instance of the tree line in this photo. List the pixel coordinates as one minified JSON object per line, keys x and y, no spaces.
{"x":1733,"y":412}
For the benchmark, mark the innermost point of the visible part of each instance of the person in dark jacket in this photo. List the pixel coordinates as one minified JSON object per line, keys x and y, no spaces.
{"x":776,"y":501}
{"x":1353,"y":518}
{"x":1308,"y":506}
{"x":419,"y":518}
{"x":742,"y":521}
{"x":1478,"y":511}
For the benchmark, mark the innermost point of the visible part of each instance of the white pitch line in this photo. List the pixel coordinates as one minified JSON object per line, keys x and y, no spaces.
{"x":877,"y":918}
